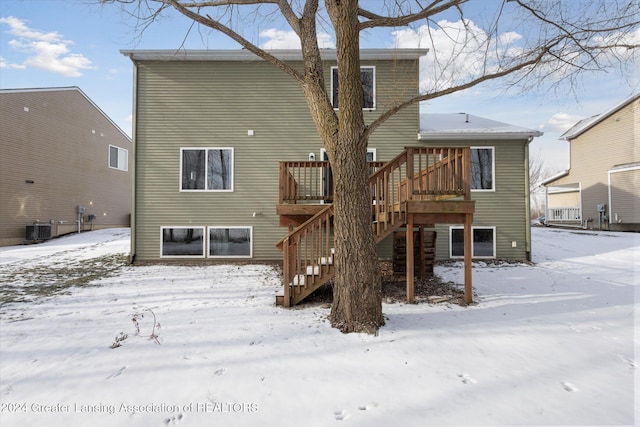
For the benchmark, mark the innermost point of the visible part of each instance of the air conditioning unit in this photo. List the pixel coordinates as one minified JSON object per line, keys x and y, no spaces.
{"x":38,"y":232}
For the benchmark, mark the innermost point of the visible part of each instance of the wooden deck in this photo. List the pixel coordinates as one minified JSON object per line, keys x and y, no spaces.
{"x":420,"y":187}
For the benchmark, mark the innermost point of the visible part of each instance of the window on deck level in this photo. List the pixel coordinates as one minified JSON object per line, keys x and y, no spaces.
{"x":206,"y":169}
{"x":482,"y":168}
{"x":368,"y":77}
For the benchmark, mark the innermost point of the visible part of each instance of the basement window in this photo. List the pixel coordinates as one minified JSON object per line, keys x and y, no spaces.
{"x":182,"y":242}
{"x":235,"y":242}
{"x":484,"y":242}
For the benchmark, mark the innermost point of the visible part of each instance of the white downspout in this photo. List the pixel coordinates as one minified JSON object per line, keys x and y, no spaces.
{"x":527,"y":184}
{"x":132,"y":225}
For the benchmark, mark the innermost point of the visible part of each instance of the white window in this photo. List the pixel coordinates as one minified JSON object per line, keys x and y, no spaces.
{"x":327,"y":175}
{"x":182,"y":242}
{"x":206,"y":169}
{"x":368,"y":77}
{"x":118,"y":158}
{"x":483,"y":246}
{"x":234,"y":242}
{"x":482,"y":169}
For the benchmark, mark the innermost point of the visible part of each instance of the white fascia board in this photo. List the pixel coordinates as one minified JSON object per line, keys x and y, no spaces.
{"x":475,"y":136}
{"x":282,"y":54}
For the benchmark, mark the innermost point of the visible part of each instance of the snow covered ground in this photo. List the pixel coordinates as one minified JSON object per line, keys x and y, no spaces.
{"x":546,"y":344}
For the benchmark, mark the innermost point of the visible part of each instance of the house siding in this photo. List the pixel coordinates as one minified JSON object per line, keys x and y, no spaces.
{"x":564,"y":200}
{"x":215,"y":104}
{"x":55,"y":156}
{"x":505,"y":208}
{"x":625,"y":201}
{"x":609,"y":143}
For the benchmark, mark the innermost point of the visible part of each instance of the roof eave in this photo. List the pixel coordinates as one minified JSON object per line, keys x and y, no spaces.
{"x":468,"y":136}
{"x":555,"y":177}
{"x":577,"y":132}
{"x":245,"y":55}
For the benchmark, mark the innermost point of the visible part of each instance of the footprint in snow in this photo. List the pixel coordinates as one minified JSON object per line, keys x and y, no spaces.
{"x":173,"y":419}
{"x":117,"y":373}
{"x":341,"y":415}
{"x":568,"y":386}
{"x":368,"y":406}
{"x":631,"y":362}
{"x":219,"y":372}
{"x":466,"y":379}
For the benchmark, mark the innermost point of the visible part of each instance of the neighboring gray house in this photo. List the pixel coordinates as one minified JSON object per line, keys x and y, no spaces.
{"x":601,"y":189}
{"x":228,"y":165}
{"x":65,"y":166}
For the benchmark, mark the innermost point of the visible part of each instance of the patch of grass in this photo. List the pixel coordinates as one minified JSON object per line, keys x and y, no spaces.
{"x":26,"y":284}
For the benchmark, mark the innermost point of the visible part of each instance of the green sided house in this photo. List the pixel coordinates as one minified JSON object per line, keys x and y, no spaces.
{"x":229,"y":167}
{"x":600,"y":189}
{"x":499,"y":184}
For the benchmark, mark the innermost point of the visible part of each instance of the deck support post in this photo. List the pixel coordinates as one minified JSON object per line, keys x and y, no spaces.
{"x":468,"y":241}
{"x":409,"y":261}
{"x":286,"y":277}
{"x":421,"y":264}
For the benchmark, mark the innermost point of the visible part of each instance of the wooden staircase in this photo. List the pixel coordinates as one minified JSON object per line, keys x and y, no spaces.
{"x":409,"y":189}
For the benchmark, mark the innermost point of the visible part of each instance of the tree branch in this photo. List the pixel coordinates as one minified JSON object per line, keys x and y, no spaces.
{"x":538,"y":59}
{"x":289,"y":15}
{"x":207,"y":21}
{"x":375,"y":20}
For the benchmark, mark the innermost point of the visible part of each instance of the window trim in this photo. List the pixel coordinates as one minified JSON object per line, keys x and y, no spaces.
{"x":204,"y":244}
{"x":125,"y":167}
{"x":493,"y":169}
{"x":373,"y":68}
{"x":323,"y":154}
{"x":208,"y":251}
{"x":206,"y":160}
{"x":473,"y":255}
{"x":374,"y":151}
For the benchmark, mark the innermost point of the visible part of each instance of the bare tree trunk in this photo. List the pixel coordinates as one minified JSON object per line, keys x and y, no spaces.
{"x":357,"y":293}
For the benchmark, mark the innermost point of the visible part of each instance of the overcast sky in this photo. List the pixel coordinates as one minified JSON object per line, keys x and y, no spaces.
{"x":54,"y":43}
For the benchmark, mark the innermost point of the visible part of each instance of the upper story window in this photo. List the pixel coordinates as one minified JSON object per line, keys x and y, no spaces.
{"x":368,"y":77}
{"x":206,"y":169}
{"x":482,"y":169}
{"x":118,"y":158}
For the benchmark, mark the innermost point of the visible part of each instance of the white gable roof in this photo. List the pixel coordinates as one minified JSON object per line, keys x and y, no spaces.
{"x":462,"y":126}
{"x":586,"y":124}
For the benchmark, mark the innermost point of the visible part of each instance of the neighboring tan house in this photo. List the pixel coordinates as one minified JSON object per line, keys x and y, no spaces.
{"x":65,"y":166}
{"x":601,"y":189}
{"x":229,"y":166}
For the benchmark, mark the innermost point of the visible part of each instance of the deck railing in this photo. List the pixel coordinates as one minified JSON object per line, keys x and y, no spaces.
{"x":421,"y":173}
{"x":308,"y":256}
{"x":418,"y":173}
{"x":438,"y":172}
{"x":309,"y":181}
{"x":564,"y":214}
